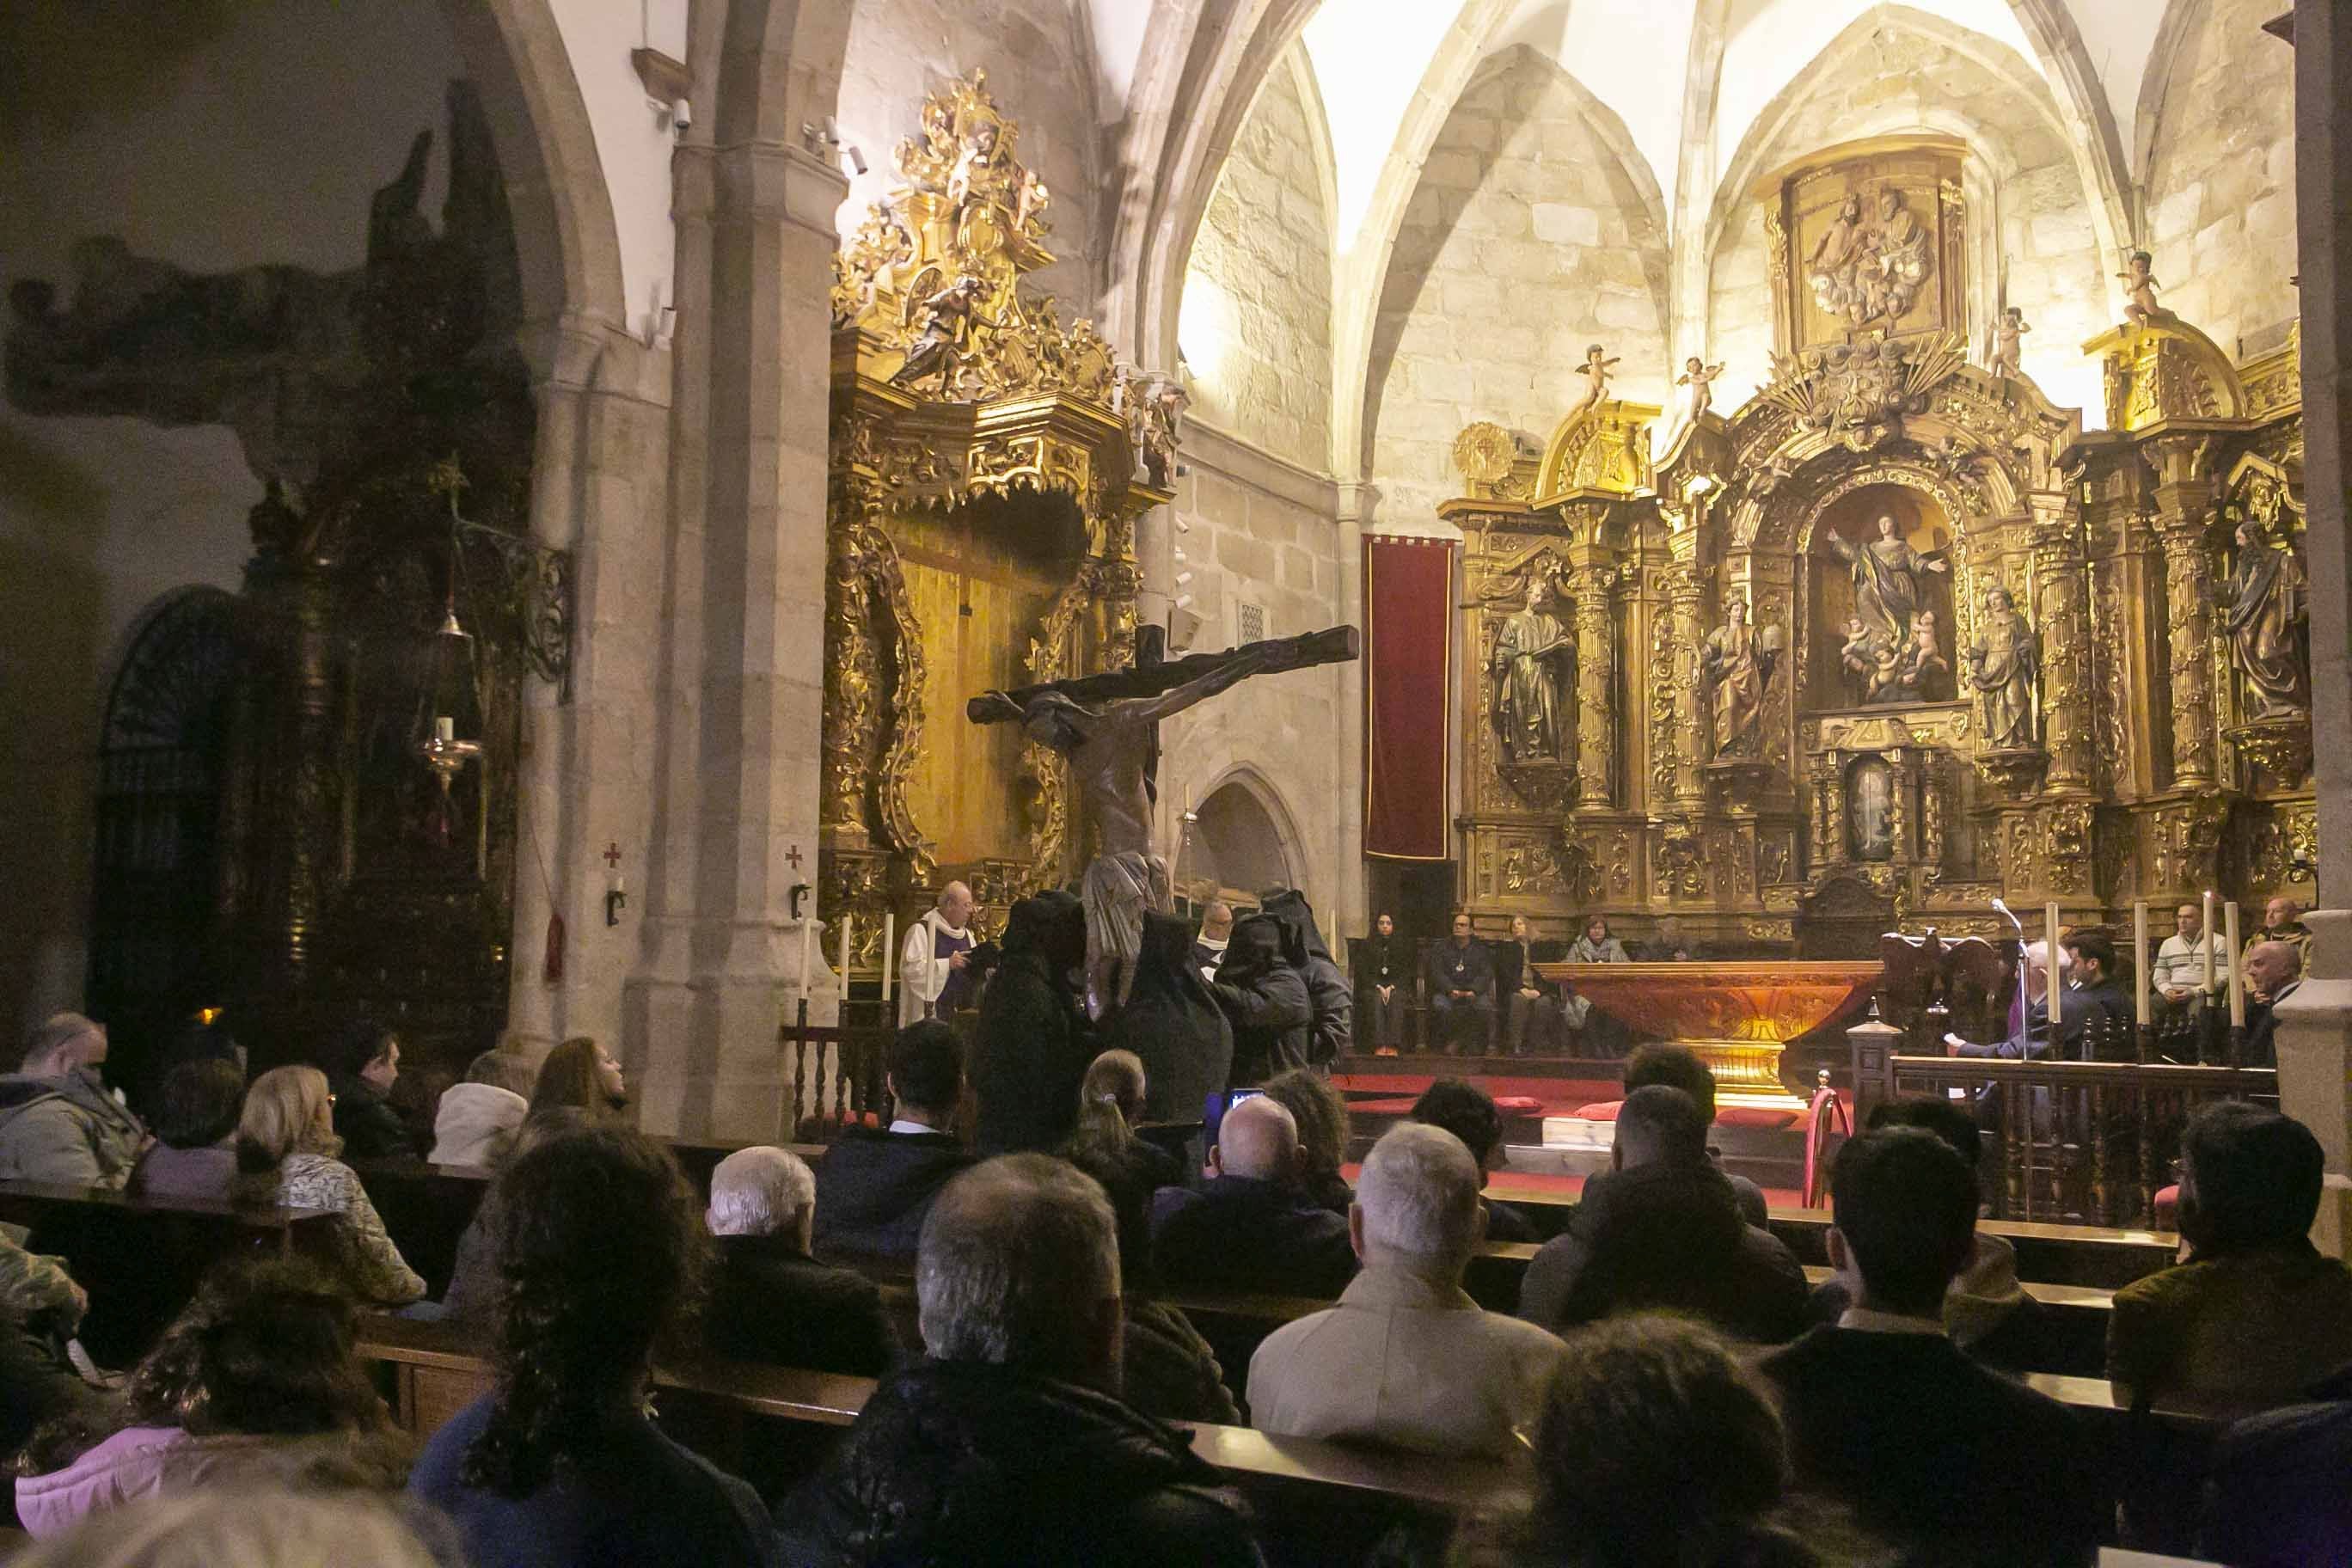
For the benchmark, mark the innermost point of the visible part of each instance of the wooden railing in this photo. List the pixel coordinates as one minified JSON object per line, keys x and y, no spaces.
{"x":836,"y":1074}
{"x":2081,"y":1143}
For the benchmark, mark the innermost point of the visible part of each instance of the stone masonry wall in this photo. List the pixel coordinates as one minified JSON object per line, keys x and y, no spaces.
{"x":1039,"y":72}
{"x":1256,"y":323}
{"x":2056,"y":270}
{"x":2221,"y":180}
{"x":1525,"y":240}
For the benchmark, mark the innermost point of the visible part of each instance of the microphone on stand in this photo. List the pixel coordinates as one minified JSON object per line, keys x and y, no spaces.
{"x":2017,"y":1006}
{"x":2017,"y":924}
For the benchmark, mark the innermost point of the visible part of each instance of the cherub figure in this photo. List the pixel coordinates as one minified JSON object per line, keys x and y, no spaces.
{"x":2007,"y":344}
{"x":1595,"y":370}
{"x":1861,"y":655}
{"x":2139,"y":289}
{"x":1700,"y":376}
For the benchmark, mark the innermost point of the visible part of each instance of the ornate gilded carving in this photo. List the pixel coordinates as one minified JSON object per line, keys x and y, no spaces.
{"x":1596,"y":706}
{"x":2285,"y":848}
{"x":1858,"y":395}
{"x":1561,"y":867}
{"x":1487,"y":457}
{"x":2065,"y":625}
{"x":2189,"y":598}
{"x":2184,"y":839}
{"x":2165,"y":369}
{"x":853,"y":702}
{"x":1600,"y":449}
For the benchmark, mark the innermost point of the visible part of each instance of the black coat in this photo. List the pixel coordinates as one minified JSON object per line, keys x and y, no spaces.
{"x":958,"y":1462}
{"x":1471,"y":968}
{"x":772,"y":1302}
{"x":1932,"y":1450}
{"x":874,"y":1189}
{"x":1238,"y":1232}
{"x":369,"y":1127}
{"x":1032,"y":1047}
{"x":1173,"y":1024}
{"x":1266,"y":1001}
{"x":1333,"y":1004}
{"x":1385,"y":961}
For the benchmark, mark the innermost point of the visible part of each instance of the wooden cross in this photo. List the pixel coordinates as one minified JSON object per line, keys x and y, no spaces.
{"x":612,"y":855}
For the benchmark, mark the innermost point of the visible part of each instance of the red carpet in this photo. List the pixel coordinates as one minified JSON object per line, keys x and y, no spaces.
{"x":1396,"y":1091}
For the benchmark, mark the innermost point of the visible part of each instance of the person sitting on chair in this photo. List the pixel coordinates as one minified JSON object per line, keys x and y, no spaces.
{"x":1461,"y":973}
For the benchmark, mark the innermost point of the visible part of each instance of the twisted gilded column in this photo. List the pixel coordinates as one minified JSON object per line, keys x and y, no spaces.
{"x":2189,"y":605}
{"x":1686,"y":596}
{"x":1596,"y":679}
{"x":2063,"y":606}
{"x":853,"y":708}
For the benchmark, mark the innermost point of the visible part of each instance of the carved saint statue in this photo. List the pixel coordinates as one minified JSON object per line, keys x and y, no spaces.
{"x":2268,"y":620}
{"x":1885,"y":579}
{"x":1867,"y":270}
{"x":1531,"y":671}
{"x":937,"y":345}
{"x":1733,"y":668}
{"x":1594,"y":372}
{"x":2002,"y":668}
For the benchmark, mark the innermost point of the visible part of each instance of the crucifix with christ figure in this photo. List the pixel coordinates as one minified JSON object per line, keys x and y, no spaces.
{"x":1107,"y":725}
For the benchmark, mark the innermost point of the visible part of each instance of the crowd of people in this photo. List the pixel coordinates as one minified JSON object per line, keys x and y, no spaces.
{"x":1671,"y":1389}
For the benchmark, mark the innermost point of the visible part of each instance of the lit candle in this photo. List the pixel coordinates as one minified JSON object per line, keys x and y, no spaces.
{"x":445,"y":731}
{"x":845,"y":954}
{"x":2237,"y":970}
{"x":808,"y":925}
{"x":2139,"y":962}
{"x":889,"y":935}
{"x":2057,"y":983}
{"x":2205,"y":935}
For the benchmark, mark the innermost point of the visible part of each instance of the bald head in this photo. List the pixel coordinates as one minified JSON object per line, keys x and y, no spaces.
{"x":1259,"y":1139}
{"x":955,"y":904}
{"x":1417,"y":1202}
{"x":2272,"y":966}
{"x":1217,"y":922}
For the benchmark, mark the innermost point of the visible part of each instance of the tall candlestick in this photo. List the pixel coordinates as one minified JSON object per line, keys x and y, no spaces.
{"x":2139,"y":962}
{"x":2057,"y":983}
{"x":2237,"y":970}
{"x":890,"y":937}
{"x":445,"y":731}
{"x":2205,"y":936}
{"x":845,"y":955}
{"x":808,"y":925}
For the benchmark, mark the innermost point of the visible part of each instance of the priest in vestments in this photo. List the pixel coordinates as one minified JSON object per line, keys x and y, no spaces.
{"x":934,"y":977}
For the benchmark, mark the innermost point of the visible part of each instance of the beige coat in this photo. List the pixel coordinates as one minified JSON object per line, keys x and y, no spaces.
{"x":1405,"y":1364}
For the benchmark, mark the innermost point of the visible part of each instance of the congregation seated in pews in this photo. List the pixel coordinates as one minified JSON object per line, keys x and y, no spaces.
{"x":1041,"y":1326}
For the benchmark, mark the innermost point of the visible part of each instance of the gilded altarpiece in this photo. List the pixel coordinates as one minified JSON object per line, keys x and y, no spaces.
{"x":988,"y":466}
{"x":1898,"y":638}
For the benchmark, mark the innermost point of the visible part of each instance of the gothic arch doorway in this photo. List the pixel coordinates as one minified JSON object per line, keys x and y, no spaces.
{"x":1241,"y":846}
{"x":155,"y":886}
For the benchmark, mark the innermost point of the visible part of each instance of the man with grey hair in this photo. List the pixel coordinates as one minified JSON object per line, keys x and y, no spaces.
{"x":1251,"y":1226}
{"x":771,"y":1301}
{"x":935,"y":974}
{"x":1010,"y":1443}
{"x":58,"y":1123}
{"x":1407,"y":1359}
{"x":2273,"y":969}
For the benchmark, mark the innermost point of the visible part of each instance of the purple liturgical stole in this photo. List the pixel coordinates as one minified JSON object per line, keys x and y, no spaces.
{"x":957,"y":994}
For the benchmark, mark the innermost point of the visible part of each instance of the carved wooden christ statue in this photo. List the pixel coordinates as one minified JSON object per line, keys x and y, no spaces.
{"x":1106,"y":725}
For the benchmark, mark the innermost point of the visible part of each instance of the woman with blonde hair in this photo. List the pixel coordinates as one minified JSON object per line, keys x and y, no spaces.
{"x":583,"y":1074}
{"x":286,"y":1149}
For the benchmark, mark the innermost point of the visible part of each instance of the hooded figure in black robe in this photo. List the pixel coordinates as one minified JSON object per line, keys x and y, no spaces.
{"x":1261,"y":989}
{"x":1173,"y":1023}
{"x":1033,"y":1045}
{"x":1334,"y":1005}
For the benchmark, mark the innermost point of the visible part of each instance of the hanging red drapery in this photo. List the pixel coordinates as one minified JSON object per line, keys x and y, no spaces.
{"x":1408,"y":677}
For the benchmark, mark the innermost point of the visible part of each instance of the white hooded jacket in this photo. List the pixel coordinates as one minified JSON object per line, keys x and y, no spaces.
{"x":475,"y":1122}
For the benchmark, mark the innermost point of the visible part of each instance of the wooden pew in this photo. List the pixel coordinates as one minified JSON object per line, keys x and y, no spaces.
{"x":140,"y":1259}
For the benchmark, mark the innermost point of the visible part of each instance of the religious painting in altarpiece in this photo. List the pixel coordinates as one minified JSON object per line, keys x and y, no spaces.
{"x":1872,"y":242}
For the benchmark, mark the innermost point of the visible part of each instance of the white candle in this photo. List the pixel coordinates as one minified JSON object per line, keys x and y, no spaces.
{"x":2205,"y":935}
{"x":808,"y":923}
{"x":445,"y":731}
{"x":2057,"y":981}
{"x":2139,"y":962}
{"x":845,"y":955}
{"x":2237,"y":970}
{"x":889,"y":935}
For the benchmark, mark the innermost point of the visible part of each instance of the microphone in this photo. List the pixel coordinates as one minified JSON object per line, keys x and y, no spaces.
{"x":2011,"y":914}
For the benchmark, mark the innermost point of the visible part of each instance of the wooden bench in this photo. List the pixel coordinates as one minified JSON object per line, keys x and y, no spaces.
{"x":1316,"y":1501}
{"x":141,"y":1257}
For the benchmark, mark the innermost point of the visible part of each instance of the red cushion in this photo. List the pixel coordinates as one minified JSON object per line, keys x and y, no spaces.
{"x":1525,"y":1104}
{"x":1729,"y":1116}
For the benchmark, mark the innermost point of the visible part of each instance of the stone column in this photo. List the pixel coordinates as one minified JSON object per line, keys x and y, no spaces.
{"x":744,"y":703}
{"x":596,"y":492}
{"x":1352,"y":895}
{"x":2315,"y":1034}
{"x":2064,"y":620}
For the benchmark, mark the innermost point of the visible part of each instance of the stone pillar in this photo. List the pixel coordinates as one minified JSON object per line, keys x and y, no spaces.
{"x":2314,"y":1033}
{"x":1352,"y":896}
{"x":596,"y":493}
{"x":745,"y":692}
{"x":2064,"y":620}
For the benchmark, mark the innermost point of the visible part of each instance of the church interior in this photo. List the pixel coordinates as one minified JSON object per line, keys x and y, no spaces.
{"x":534,"y":519}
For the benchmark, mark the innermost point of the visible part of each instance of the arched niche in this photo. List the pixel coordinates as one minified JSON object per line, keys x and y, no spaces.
{"x":1244,"y":845}
{"x":1844,"y":528}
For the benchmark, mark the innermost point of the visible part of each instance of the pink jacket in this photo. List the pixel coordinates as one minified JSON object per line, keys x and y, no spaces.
{"x":136,"y":1462}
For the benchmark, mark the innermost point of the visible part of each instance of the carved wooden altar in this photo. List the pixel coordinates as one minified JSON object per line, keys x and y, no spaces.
{"x":988,"y":466}
{"x":1755,"y":734}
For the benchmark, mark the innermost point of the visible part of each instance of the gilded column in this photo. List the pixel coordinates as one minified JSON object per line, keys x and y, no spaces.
{"x":1596,"y":681}
{"x":2189,"y":605}
{"x":852,"y":711}
{"x":1687,"y":592}
{"x":2063,"y":621}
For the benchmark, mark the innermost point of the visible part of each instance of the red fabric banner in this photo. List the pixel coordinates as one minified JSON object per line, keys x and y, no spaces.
{"x":1408,"y":681}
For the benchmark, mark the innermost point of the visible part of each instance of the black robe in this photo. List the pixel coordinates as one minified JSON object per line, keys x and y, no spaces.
{"x":1173,"y":1023}
{"x":1333,"y":1004}
{"x":1267,"y":1005}
{"x":1031,"y":1048}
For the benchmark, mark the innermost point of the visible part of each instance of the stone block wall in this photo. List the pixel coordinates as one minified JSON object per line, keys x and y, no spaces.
{"x":2221,"y":180}
{"x":1256,"y":323}
{"x":1041,"y":76}
{"x":1525,"y":240}
{"x":1253,"y":529}
{"x":2056,"y":274}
